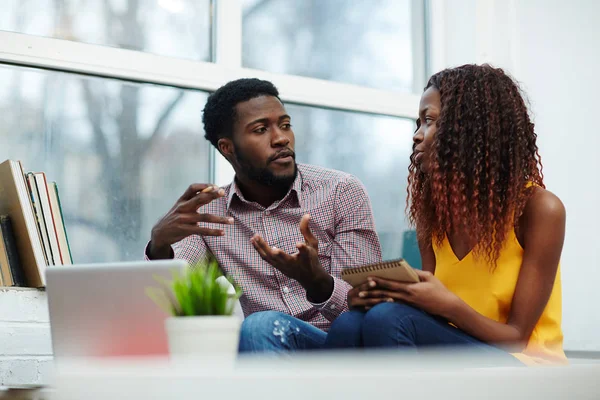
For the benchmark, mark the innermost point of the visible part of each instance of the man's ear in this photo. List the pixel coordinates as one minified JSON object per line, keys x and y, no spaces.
{"x":225,"y":146}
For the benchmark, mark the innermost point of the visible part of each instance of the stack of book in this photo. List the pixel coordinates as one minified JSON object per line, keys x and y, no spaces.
{"x":32,"y":229}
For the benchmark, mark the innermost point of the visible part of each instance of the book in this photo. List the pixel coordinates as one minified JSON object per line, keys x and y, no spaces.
{"x":15,"y":201}
{"x":42,"y":187}
{"x":39,"y":217}
{"x":5,"y":274}
{"x":397,"y":270}
{"x":9,"y":253}
{"x":59,"y":224}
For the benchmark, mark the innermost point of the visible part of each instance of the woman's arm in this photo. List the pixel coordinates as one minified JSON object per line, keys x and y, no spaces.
{"x":542,"y":229}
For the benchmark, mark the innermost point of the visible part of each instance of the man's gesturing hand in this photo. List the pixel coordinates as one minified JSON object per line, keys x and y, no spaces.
{"x":183,"y":218}
{"x":303,"y":266}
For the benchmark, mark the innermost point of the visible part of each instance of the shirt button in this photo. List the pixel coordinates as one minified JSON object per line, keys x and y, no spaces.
{"x":267,"y":212}
{"x":286,"y":289}
{"x":332,"y":306}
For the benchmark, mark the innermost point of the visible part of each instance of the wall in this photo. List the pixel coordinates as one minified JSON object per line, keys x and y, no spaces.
{"x":551,"y":47}
{"x":558,"y":59}
{"x":25,"y":346}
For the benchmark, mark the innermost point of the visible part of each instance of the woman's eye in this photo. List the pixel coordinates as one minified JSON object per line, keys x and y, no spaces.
{"x":418,"y":123}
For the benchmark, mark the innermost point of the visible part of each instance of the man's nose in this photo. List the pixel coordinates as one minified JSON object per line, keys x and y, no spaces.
{"x":279,"y":138}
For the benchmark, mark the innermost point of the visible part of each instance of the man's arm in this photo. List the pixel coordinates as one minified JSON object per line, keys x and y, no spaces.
{"x":178,"y":234}
{"x":183,"y":220}
{"x":191,"y":249}
{"x":355,"y":243}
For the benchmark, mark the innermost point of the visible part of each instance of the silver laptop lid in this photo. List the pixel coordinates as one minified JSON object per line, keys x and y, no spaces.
{"x":100,"y":310}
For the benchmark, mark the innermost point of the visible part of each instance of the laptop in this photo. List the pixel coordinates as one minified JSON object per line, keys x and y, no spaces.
{"x":102,"y":310}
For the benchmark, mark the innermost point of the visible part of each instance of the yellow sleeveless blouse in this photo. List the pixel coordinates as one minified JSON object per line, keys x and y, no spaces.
{"x":490,"y":293}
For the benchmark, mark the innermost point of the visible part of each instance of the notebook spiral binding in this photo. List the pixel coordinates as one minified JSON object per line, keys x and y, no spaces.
{"x":373,"y":267}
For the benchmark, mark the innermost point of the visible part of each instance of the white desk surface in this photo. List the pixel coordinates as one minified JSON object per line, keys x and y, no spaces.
{"x":322,"y":376}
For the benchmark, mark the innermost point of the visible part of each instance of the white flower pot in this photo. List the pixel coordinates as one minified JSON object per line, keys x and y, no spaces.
{"x":204,"y":337}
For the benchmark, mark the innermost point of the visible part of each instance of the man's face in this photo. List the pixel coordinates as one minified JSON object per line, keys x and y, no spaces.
{"x":263,"y":142}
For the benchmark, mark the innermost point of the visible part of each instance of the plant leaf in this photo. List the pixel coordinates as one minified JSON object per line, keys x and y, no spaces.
{"x":198,"y":290}
{"x":158,"y":296}
{"x":168,"y":291}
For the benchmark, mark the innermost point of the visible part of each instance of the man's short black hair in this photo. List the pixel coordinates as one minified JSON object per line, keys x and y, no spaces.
{"x":219,"y":111}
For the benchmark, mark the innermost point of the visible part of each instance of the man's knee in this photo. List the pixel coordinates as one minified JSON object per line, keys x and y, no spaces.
{"x":259,"y":331}
{"x":259,"y":321}
{"x":348,"y":321}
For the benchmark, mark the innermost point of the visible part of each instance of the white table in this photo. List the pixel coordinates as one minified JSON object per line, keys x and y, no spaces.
{"x":323,"y":376}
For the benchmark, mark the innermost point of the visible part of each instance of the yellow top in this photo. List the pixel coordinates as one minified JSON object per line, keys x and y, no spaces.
{"x":490,"y":291}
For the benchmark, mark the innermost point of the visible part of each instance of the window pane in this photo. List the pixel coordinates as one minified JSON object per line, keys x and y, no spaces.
{"x":376,"y":149}
{"x":121,"y":153}
{"x":364,"y":42}
{"x":177,"y":28}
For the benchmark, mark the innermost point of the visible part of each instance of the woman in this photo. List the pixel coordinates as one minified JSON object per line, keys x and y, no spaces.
{"x":489,"y":233}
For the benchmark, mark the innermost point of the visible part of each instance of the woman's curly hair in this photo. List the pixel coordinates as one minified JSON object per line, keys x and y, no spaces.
{"x":481,"y":160}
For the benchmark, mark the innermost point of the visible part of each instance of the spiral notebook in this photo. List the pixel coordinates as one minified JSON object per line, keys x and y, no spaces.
{"x":397,"y":270}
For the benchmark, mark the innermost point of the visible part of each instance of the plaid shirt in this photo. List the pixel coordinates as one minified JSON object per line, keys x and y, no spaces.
{"x":341,"y":219}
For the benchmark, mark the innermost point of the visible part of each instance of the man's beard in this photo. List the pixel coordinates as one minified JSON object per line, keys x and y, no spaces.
{"x":263,"y":175}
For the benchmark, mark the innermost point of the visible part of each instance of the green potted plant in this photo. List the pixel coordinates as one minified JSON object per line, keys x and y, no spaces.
{"x":200,"y":301}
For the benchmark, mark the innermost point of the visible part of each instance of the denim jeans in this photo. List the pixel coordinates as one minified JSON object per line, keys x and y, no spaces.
{"x":401,"y":326}
{"x":276,"y":332}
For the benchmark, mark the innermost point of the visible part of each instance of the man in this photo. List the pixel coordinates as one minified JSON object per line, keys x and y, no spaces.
{"x":283,"y":231}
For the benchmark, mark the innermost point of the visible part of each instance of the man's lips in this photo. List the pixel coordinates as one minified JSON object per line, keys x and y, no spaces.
{"x":283,"y":156}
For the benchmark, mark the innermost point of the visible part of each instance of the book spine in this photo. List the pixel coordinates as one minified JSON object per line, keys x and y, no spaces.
{"x":48,"y":222}
{"x":33,"y":196}
{"x":62,"y":217}
{"x":14,"y":260}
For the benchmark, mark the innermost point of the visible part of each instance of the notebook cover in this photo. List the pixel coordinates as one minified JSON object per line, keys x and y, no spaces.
{"x":397,"y":270}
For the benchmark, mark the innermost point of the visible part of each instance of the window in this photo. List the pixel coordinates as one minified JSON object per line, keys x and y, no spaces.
{"x":376,"y":149}
{"x":121,"y":153}
{"x":364,"y":42}
{"x":113,"y":113}
{"x":177,"y":28}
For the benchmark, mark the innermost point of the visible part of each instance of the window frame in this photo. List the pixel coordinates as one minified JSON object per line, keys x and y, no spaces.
{"x":226,"y":56}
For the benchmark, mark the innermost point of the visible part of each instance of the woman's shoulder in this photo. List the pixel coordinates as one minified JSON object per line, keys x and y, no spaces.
{"x":544,"y":213}
{"x":544,"y":204}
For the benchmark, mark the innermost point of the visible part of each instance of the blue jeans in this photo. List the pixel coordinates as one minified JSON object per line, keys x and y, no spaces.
{"x":399,"y":325}
{"x":276,"y":332}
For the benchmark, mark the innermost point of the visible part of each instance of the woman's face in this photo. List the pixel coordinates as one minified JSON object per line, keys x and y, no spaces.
{"x":429,"y":112}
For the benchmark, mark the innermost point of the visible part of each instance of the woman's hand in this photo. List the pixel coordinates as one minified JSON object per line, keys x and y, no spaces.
{"x":357,"y":299}
{"x":429,"y":295}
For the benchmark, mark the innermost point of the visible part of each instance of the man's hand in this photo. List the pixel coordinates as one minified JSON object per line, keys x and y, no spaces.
{"x":303,"y":266}
{"x":182,"y":220}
